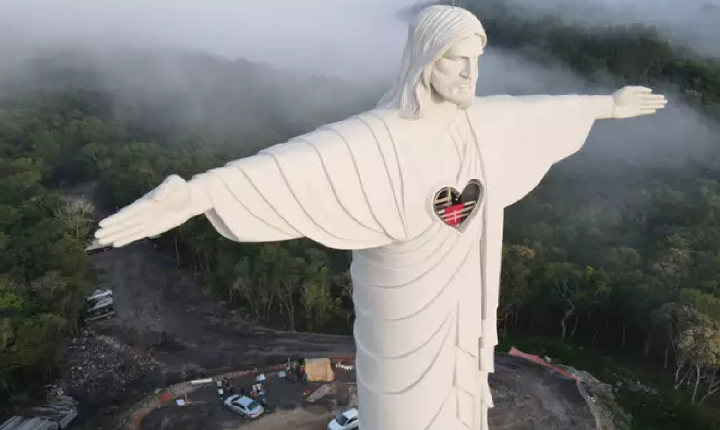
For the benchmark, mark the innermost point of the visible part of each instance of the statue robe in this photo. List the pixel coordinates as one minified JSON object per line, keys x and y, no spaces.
{"x":425,"y":293}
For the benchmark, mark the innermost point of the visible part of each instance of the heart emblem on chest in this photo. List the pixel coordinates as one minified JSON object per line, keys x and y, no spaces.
{"x":456,"y":208}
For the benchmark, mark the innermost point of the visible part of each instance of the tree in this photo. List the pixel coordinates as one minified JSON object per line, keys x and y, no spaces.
{"x":516,"y":291}
{"x":242,"y":286}
{"x":343,"y":281}
{"x":76,"y":215}
{"x":699,"y":344}
{"x":318,"y":302}
{"x":289,"y":270}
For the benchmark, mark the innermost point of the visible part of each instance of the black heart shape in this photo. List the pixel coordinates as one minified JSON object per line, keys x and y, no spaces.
{"x":455,"y":208}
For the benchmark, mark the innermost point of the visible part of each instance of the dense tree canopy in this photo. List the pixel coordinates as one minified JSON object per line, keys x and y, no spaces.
{"x":633,"y":275}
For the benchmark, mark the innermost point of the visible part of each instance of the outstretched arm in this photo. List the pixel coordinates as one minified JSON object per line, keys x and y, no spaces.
{"x":627,"y":102}
{"x":331,"y":186}
{"x":530,"y":134}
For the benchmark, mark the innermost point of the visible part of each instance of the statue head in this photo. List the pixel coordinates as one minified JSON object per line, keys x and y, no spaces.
{"x":439,"y":61}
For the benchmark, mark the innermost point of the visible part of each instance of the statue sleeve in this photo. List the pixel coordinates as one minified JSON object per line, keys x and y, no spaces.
{"x":530,"y":134}
{"x":332,"y":186}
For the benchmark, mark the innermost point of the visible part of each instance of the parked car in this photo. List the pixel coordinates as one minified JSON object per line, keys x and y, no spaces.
{"x":245,"y":406}
{"x":100,"y":305}
{"x":348,"y":420}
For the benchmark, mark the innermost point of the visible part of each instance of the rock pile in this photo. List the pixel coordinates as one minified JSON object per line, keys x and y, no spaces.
{"x":98,"y":367}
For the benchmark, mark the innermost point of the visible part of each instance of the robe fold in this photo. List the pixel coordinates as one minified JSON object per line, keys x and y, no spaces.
{"x":425,"y":293}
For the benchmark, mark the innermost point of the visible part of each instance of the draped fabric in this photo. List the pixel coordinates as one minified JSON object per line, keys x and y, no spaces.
{"x":425,"y":293}
{"x":417,"y":321}
{"x":337,"y":186}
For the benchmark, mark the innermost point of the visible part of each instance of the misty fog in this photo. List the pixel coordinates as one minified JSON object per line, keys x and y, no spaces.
{"x":359,"y":42}
{"x":694,"y":24}
{"x":673,"y":135}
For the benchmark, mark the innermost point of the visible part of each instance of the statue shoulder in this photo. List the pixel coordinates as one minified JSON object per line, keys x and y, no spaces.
{"x":356,"y":130}
{"x":488,"y":102}
{"x":386,"y":118}
{"x":491,"y":108}
{"x":378,"y":122}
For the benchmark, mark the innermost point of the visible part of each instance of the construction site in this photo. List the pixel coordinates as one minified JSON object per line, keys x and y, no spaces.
{"x":155,"y":347}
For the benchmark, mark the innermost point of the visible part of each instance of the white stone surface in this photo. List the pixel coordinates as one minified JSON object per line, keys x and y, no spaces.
{"x":425,"y":292}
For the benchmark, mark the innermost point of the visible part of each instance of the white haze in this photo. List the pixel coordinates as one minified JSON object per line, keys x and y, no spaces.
{"x":340,"y":37}
{"x":358,"y":40}
{"x":694,"y":24}
{"x":672,"y":135}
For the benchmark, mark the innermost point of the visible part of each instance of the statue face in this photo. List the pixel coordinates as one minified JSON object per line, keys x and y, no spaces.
{"x":454,"y":75}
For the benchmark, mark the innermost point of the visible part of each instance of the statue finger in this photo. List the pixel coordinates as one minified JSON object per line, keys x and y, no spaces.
{"x":122,"y":236}
{"x":128,"y":225}
{"x":641,"y":90}
{"x":653,"y":97}
{"x":127,"y":240}
{"x":109,"y":236}
{"x":653,"y":106}
{"x":139,"y":207}
{"x":154,"y":230}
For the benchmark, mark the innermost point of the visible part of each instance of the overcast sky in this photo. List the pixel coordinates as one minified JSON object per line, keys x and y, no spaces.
{"x":336,"y":36}
{"x":360,"y":40}
{"x":333,"y":36}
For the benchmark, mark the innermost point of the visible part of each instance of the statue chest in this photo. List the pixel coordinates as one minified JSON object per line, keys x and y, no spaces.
{"x":443,"y":179}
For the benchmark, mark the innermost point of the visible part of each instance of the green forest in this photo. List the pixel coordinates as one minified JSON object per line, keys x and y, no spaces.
{"x":625,"y":286}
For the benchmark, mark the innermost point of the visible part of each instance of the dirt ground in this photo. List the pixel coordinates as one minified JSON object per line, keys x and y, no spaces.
{"x":528,"y":396}
{"x":196,"y":417}
{"x":161,"y":307}
{"x":287,"y":408}
{"x":163,"y":314}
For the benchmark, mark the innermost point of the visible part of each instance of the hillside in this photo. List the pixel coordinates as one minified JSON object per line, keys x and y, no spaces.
{"x":613,"y":270}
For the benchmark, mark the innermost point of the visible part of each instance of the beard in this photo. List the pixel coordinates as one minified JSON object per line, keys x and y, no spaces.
{"x":460,"y":95}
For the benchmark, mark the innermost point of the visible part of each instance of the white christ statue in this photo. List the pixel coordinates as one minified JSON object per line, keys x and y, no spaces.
{"x":416,"y":189}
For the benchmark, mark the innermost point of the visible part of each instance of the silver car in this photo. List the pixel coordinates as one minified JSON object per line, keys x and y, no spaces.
{"x":245,"y":406}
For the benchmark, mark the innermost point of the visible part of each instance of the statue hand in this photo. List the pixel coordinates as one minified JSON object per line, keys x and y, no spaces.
{"x":636,"y":101}
{"x":166,"y":207}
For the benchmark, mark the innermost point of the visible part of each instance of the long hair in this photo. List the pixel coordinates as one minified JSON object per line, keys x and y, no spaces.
{"x":434,"y":30}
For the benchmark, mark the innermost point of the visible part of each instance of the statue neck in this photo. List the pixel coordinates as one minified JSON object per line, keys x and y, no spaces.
{"x":442,"y":112}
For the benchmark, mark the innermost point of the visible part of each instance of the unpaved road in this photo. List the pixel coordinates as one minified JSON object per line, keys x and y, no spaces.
{"x":161,"y":307}
{"x":163,"y":314}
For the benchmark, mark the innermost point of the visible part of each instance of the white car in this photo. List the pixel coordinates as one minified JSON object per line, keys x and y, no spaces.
{"x":245,"y":406}
{"x":348,"y":420}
